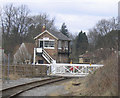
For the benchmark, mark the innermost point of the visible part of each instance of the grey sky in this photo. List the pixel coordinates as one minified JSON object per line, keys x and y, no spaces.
{"x":77,"y":14}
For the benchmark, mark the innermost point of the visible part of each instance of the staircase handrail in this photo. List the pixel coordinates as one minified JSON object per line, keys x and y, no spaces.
{"x":47,"y":56}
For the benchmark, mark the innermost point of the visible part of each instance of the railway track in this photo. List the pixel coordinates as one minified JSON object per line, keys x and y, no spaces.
{"x":12,"y":92}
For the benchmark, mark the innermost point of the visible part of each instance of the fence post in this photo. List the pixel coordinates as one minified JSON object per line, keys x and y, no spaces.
{"x":4,"y":69}
{"x":8,"y":66}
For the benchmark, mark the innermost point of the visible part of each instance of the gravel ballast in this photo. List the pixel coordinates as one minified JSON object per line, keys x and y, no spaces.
{"x":47,"y":90}
{"x":12,"y":83}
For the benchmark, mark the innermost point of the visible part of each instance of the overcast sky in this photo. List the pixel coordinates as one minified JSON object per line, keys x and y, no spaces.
{"x":77,"y":14}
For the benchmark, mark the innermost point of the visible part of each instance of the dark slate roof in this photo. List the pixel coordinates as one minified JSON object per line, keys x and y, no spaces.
{"x":60,"y":36}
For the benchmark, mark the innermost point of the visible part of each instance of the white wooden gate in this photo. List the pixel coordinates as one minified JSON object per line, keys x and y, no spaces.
{"x":62,"y":69}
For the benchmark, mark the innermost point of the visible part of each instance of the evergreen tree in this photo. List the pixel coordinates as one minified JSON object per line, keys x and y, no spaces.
{"x":81,"y":43}
{"x":64,"y":30}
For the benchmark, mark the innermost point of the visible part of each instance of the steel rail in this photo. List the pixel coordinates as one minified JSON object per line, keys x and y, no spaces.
{"x":16,"y":90}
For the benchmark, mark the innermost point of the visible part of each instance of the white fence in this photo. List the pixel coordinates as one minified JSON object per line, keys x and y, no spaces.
{"x":73,"y":69}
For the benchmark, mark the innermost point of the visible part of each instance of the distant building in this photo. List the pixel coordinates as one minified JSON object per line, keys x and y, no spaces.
{"x":48,"y":47}
{"x":23,"y":54}
{"x":51,"y":46}
{"x":86,"y":58}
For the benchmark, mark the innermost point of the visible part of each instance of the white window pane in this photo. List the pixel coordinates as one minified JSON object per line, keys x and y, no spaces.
{"x":46,"y":43}
{"x":49,"y":43}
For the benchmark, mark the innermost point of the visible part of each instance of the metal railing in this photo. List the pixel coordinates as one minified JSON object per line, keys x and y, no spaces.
{"x":47,"y":56}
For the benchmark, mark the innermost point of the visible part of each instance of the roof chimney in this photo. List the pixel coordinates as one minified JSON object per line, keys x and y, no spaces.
{"x":43,"y":28}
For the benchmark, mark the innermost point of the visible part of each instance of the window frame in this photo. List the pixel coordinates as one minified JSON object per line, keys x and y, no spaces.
{"x":50,"y":40}
{"x":49,"y":45}
{"x":66,"y":45}
{"x":60,"y":44}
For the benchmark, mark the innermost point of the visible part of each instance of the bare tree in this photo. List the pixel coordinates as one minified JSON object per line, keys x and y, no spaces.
{"x":15,"y":17}
{"x":102,"y":28}
{"x":15,"y":24}
{"x":37,"y":23}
